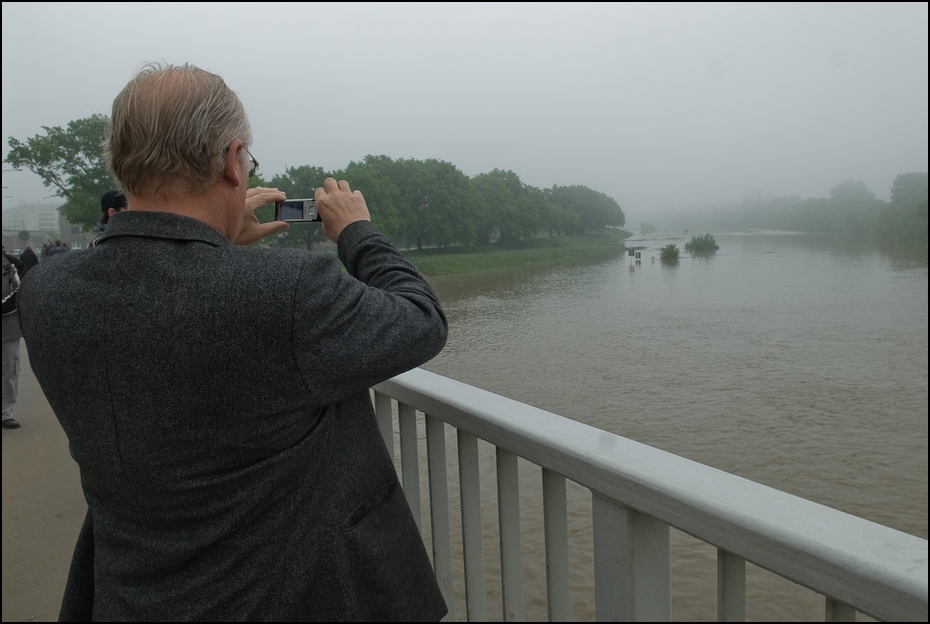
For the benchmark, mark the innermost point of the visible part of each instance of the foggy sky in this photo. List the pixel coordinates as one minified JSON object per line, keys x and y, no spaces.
{"x":660,"y":106}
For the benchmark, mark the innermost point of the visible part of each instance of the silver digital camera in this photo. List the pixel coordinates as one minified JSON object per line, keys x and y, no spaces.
{"x":296,"y":210}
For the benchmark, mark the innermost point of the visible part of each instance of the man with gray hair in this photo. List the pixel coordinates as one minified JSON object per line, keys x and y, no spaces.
{"x":215,"y":393}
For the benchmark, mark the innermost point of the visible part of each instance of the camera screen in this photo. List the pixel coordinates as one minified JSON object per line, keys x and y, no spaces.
{"x":292,"y":210}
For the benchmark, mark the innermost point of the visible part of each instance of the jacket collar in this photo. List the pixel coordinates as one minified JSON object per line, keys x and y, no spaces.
{"x":166,"y":225}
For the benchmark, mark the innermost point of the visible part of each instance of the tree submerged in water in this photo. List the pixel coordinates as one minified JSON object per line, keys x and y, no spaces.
{"x":669,"y":253}
{"x":704,"y":244}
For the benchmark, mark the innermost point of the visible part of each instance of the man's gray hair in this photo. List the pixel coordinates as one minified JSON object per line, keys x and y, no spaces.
{"x":170,"y":129}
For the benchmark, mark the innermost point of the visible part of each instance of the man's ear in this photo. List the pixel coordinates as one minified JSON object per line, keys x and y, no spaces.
{"x":232,"y":169}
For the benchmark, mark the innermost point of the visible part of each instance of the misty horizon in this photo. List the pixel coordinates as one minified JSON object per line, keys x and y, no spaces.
{"x":664,"y":108}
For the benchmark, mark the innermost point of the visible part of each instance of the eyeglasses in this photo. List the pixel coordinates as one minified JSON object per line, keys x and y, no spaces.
{"x":254,"y":164}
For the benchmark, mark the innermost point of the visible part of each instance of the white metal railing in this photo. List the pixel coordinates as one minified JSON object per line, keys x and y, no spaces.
{"x":638,"y":494}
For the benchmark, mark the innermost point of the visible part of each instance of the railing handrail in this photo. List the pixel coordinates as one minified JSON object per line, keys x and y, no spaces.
{"x":877,"y":570}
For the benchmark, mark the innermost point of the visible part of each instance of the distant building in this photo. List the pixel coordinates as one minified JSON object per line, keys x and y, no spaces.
{"x":72,"y":235}
{"x":42,"y":222}
{"x":32,"y":217}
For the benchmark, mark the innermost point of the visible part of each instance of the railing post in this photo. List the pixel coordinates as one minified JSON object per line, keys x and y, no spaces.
{"x":384,"y":408}
{"x":731,"y":587}
{"x":555,"y":513}
{"x":508,"y":501}
{"x":836,"y":611}
{"x":409,"y":458}
{"x":632,"y":565}
{"x":440,"y":520}
{"x":473,"y":549}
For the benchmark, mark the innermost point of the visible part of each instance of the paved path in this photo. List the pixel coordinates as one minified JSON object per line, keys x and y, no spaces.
{"x":43,"y":507}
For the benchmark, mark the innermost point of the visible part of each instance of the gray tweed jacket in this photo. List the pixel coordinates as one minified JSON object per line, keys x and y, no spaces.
{"x":216,"y":400}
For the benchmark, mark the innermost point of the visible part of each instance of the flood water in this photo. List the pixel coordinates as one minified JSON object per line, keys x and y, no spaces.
{"x":794,"y":360}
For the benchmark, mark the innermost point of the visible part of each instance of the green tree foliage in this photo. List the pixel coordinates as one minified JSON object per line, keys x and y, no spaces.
{"x":512,"y":208}
{"x":910,"y":189}
{"x":381,"y":195}
{"x":853,"y":208}
{"x":439,"y":205}
{"x":905,"y":216}
{"x":595,"y":210}
{"x":669,"y":253}
{"x":493,"y":190}
{"x":702,"y":245}
{"x":71,"y":162}
{"x":555,"y":219}
{"x":518,"y":211}
{"x":646,"y":228}
{"x":850,"y":209}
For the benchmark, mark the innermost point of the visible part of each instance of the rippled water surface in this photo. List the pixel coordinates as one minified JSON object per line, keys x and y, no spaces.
{"x":789,"y":359}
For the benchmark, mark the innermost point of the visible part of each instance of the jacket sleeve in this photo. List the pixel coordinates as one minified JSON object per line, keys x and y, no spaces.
{"x":380,"y":318}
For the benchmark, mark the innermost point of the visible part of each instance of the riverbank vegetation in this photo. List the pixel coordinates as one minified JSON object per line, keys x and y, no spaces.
{"x":537,"y":252}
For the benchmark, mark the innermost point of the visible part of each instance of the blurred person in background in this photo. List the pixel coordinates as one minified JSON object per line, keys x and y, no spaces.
{"x":110,"y":203}
{"x":28,"y":258}
{"x":12,"y":336}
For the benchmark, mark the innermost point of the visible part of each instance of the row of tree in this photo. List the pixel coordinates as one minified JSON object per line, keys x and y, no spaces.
{"x":416,"y":203}
{"x":424,"y":203}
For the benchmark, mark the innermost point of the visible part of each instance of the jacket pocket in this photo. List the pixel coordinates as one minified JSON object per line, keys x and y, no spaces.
{"x":373,"y":503}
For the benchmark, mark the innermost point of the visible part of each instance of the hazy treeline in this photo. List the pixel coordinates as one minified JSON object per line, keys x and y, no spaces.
{"x":852,"y":209}
{"x":431,"y":203}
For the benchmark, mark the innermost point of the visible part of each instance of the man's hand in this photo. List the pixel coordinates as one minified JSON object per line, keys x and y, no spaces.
{"x":338,"y":206}
{"x":253,"y":229}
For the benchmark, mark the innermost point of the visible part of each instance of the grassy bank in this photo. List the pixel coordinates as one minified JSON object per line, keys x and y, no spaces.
{"x":538,"y":252}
